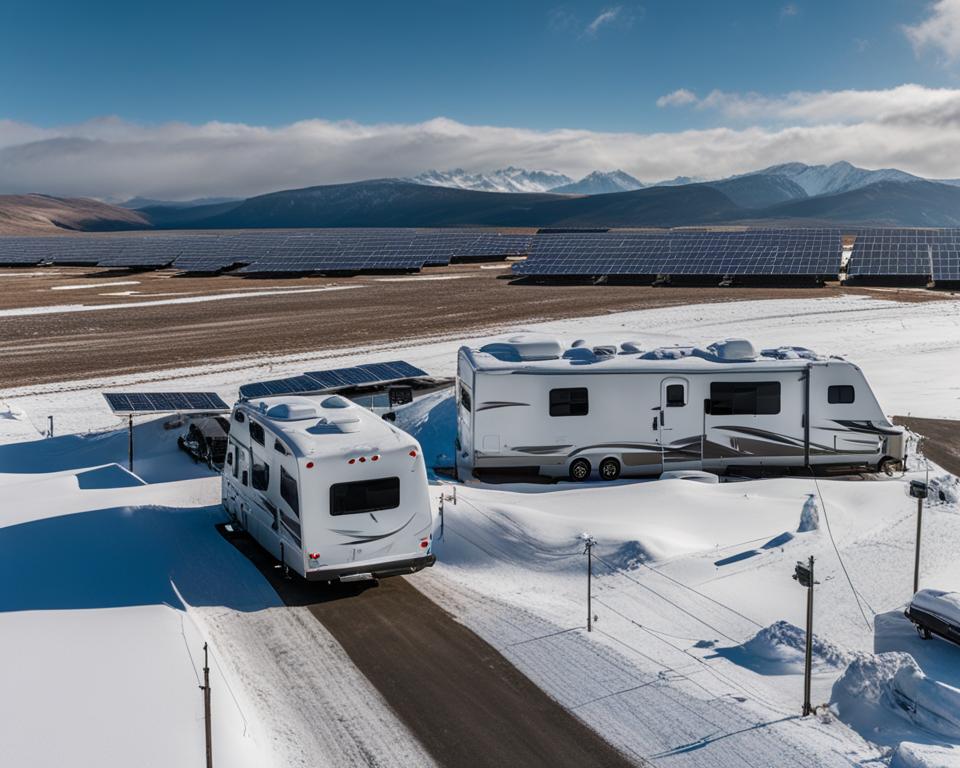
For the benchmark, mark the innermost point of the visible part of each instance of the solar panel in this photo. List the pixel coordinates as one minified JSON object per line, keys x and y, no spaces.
{"x":164,"y":402}
{"x":335,"y":379}
{"x":896,"y":252}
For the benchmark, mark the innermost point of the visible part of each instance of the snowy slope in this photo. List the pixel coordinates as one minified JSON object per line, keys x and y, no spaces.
{"x":508,"y":179}
{"x":832,"y":179}
{"x":601,"y":183}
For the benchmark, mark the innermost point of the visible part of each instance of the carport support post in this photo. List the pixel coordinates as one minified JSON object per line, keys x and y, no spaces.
{"x":808,"y":655}
{"x":130,"y":441}
{"x":588,"y":543}
{"x":916,"y":559}
{"x":207,"y":723}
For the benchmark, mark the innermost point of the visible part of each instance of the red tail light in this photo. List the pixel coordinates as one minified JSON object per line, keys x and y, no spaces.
{"x":309,"y":465}
{"x":375,"y":458}
{"x":413,"y":453}
{"x":352,"y":461}
{"x":362,"y":459}
{"x":314,"y":555}
{"x":424,"y":543}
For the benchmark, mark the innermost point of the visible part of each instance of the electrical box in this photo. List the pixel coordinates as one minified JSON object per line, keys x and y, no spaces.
{"x":400,"y":396}
{"x":803,"y":575}
{"x":918,"y":489}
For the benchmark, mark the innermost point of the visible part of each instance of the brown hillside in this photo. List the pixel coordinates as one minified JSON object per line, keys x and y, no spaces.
{"x":44,"y":215}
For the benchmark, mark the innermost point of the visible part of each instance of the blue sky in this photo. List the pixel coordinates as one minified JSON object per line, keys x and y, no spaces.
{"x":536,"y":65}
{"x":175,"y":100}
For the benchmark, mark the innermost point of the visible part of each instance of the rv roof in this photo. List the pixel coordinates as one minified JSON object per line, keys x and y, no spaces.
{"x":325,"y":425}
{"x":513,"y":354}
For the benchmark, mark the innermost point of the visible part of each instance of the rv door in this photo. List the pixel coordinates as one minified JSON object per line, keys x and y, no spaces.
{"x":681,"y":426}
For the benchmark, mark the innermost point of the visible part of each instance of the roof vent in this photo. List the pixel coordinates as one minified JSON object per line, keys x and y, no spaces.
{"x":668,"y":353}
{"x":335,"y":401}
{"x":580,"y":355}
{"x":579,"y":343}
{"x":605,"y":351}
{"x":733,"y":350}
{"x":790,"y":353}
{"x":631,"y":348}
{"x":524,"y":346}
{"x":292,"y":412}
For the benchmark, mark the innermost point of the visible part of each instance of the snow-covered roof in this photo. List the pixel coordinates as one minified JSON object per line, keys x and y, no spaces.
{"x":325,"y":425}
{"x":540,"y":352}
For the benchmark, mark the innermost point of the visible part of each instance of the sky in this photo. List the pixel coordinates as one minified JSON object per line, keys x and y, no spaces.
{"x":175,"y":100}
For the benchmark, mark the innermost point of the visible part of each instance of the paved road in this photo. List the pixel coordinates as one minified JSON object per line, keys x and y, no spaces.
{"x":468,"y":705}
{"x":940,"y":440}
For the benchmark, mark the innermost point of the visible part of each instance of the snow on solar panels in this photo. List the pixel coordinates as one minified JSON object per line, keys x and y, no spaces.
{"x":372,"y":374}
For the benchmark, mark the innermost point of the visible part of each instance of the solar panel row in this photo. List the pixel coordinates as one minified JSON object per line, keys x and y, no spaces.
{"x":163,"y":402}
{"x":335,"y":379}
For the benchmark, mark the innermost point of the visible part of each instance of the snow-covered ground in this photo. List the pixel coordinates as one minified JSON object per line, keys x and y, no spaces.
{"x":695,"y":657}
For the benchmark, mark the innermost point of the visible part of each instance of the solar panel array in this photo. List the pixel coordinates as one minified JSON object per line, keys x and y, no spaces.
{"x":761,"y":252}
{"x":276,"y":252}
{"x":335,"y":379}
{"x":165,"y":402}
{"x":918,"y":253}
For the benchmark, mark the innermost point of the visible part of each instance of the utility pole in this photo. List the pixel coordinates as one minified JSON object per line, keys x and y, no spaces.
{"x":918,"y":489}
{"x":803,"y":574}
{"x":588,"y":542}
{"x":208,"y":725}
{"x":446,"y":497}
{"x":130,"y":441}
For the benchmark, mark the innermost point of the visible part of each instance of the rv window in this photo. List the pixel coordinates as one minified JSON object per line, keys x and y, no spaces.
{"x":280,"y":448}
{"x":743,"y":398}
{"x":465,"y":399}
{"x":676,"y":396}
{"x":288,"y":491}
{"x":840,"y":393}
{"x":256,"y":432}
{"x":260,"y":479}
{"x":238,"y":416}
{"x":569,"y":402}
{"x":365,"y":496}
{"x":229,"y":458}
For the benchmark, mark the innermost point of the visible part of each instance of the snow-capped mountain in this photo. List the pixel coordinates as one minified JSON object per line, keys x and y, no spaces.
{"x":831,"y":179}
{"x":600,"y":183}
{"x":508,"y":179}
{"x":679,"y":181}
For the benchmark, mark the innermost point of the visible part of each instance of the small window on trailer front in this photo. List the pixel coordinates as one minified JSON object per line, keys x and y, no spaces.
{"x":289,"y":492}
{"x":744,"y":398}
{"x":569,"y":402}
{"x":465,"y":399}
{"x":365,"y":496}
{"x":256,"y":433}
{"x":841,"y":393}
{"x":260,"y":477}
{"x":238,"y":416}
{"x":676,"y":396}
{"x":280,"y":447}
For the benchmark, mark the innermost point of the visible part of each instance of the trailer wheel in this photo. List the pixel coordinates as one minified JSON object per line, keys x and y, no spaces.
{"x":609,"y":469}
{"x":924,"y":633}
{"x":580,"y":470}
{"x":887,"y":466}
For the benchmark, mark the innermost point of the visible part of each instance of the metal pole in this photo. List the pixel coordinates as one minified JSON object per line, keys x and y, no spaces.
{"x":130,"y":441}
{"x":208,"y":725}
{"x":50,"y":430}
{"x":806,"y":416}
{"x":916,"y":560}
{"x":589,"y":587}
{"x":807,"y":708}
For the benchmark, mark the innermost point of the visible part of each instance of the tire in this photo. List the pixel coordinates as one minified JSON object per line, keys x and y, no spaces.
{"x":580,"y":470}
{"x":609,"y":469}
{"x":925,"y":633}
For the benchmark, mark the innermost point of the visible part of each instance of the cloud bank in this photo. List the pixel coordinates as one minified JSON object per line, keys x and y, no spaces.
{"x":910,"y":127}
{"x":939,"y":31}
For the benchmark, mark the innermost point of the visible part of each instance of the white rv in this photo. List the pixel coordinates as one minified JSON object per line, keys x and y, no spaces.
{"x":328,"y":488}
{"x":530,"y":402}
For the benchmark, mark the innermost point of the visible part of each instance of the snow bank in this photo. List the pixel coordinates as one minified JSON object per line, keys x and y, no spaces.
{"x":931,"y":704}
{"x":809,"y":515}
{"x":780,"y":649}
{"x":945,"y":489}
{"x":910,"y":755}
{"x":433,"y":421}
{"x":940,"y":603}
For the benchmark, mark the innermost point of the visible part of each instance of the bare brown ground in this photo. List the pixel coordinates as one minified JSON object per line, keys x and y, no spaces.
{"x":939,"y":440}
{"x":67,"y":345}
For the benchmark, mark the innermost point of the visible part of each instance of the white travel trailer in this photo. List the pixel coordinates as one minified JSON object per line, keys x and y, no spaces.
{"x":328,"y":488}
{"x":529,"y":402}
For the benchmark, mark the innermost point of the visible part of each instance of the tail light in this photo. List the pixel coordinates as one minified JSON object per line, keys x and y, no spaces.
{"x":314,"y":555}
{"x":413,"y":453}
{"x":425,"y":542}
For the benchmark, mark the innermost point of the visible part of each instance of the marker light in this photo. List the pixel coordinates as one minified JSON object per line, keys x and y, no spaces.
{"x":424,"y":543}
{"x":309,"y":465}
{"x":362,"y":459}
{"x":375,"y":457}
{"x":314,"y":555}
{"x":352,"y":461}
{"x":413,"y":453}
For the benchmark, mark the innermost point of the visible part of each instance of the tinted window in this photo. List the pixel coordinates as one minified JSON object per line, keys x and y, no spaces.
{"x":256,"y":432}
{"x":676,"y":395}
{"x":260,"y":477}
{"x":365,"y":496}
{"x":288,"y":490}
{"x":569,"y":402}
{"x":840,"y":393}
{"x":465,"y":399}
{"x":238,"y":416}
{"x":279,"y":447}
{"x":744,"y":398}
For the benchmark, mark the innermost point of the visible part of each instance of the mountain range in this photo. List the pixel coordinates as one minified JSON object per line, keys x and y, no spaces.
{"x":791,"y":194}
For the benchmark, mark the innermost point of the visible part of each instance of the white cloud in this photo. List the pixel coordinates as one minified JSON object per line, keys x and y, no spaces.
{"x":678,"y":98}
{"x":607,"y":16}
{"x":909,"y":127}
{"x":940,"y":30}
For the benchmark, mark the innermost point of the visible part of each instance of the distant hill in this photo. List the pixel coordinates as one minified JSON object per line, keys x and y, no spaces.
{"x":44,"y":215}
{"x":759,"y":190}
{"x":600,"y":183}
{"x":832,"y":179}
{"x":136,"y":203}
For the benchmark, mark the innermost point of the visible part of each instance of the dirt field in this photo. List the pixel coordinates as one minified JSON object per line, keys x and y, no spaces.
{"x":155,"y":320}
{"x":468,"y":705}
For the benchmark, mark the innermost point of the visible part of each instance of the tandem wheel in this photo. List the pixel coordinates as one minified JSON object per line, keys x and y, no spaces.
{"x":580,"y":470}
{"x":609,"y":469}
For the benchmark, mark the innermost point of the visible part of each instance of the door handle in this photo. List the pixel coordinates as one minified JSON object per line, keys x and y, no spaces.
{"x":663,"y":421}
{"x":654,"y":424}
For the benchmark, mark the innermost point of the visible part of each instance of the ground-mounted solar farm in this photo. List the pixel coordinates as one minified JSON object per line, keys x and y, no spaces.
{"x":785,"y":256}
